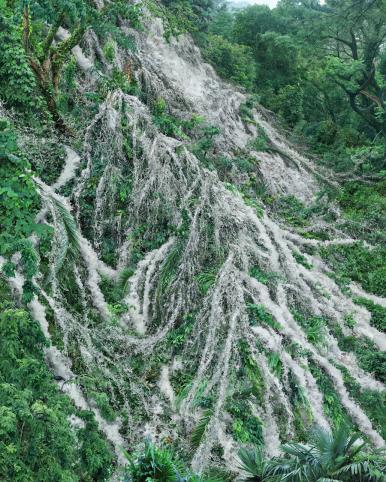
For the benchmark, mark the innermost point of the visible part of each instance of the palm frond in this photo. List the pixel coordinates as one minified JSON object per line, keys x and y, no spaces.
{"x":66,"y":235}
{"x":199,"y":430}
{"x":71,"y":228}
{"x":302,"y":452}
{"x":252,"y":461}
{"x":123,"y":280}
{"x":168,"y":269}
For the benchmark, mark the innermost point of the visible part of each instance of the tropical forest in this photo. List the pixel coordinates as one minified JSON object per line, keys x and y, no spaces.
{"x":193,"y":240}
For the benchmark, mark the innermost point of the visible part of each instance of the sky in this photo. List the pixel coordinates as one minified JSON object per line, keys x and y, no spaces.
{"x":270,"y":3}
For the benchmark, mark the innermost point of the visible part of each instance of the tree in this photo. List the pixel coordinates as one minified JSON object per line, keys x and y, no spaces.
{"x":357,"y":30}
{"x":47,"y":57}
{"x":233,"y":61}
{"x":277,"y":58}
{"x":332,"y":457}
{"x":350,"y":34}
{"x":19,"y":201}
{"x":17,"y":82}
{"x":256,"y":20}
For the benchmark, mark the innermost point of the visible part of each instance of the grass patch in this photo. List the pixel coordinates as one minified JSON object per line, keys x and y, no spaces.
{"x":372,"y":402}
{"x":292,"y":211}
{"x":314,"y":326}
{"x":332,"y":405}
{"x":357,"y":263}
{"x":258,"y":315}
{"x":300,"y":259}
{"x":378,"y":313}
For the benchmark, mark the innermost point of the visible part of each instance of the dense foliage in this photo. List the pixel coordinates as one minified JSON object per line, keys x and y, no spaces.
{"x":321,"y":69}
{"x":340,"y":456}
{"x":37,"y":439}
{"x":151,"y":463}
{"x":337,"y":456}
{"x":19,"y":201}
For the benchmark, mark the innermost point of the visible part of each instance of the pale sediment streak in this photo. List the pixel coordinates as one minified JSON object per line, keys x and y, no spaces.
{"x":304,"y":378}
{"x":205,"y":217}
{"x":138,"y":311}
{"x":165,"y":385}
{"x":71,"y":164}
{"x":61,"y":367}
{"x":358,"y":291}
{"x":246,"y":241}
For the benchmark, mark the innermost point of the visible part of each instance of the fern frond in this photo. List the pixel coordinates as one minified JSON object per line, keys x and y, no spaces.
{"x":206,"y":280}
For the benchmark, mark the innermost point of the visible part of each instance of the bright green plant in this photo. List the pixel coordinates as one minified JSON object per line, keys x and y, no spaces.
{"x":253,"y":462}
{"x":199,"y":430}
{"x":36,"y":439}
{"x":17,"y":82}
{"x":258,"y":314}
{"x":336,"y":456}
{"x":358,"y":263}
{"x":234,"y":62}
{"x":314,"y":326}
{"x":19,"y":201}
{"x":378,"y":313}
{"x":206,"y":280}
{"x":152,"y":463}
{"x":301,"y":259}
{"x":339,"y":456}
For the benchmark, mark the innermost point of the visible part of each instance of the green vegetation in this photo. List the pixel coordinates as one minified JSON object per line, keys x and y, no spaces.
{"x":309,"y":89}
{"x":314,"y":326}
{"x":37,"y":441}
{"x":153,"y":463}
{"x":19,"y":201}
{"x":233,"y":61}
{"x":263,"y":276}
{"x":331,"y":402}
{"x":314,"y":66}
{"x":36,"y":69}
{"x":369,"y":358}
{"x":258,"y":314}
{"x":378,"y":313}
{"x":292,"y":210}
{"x":321,"y":70}
{"x":371,"y":401}
{"x":358,"y":263}
{"x":340,"y":456}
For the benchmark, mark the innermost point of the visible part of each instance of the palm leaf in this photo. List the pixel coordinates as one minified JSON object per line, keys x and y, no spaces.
{"x":199,"y":430}
{"x":66,"y":239}
{"x":70,"y":227}
{"x":252,"y":462}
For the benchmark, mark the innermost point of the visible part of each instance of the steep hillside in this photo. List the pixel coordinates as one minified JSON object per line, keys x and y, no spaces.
{"x":178,"y":297}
